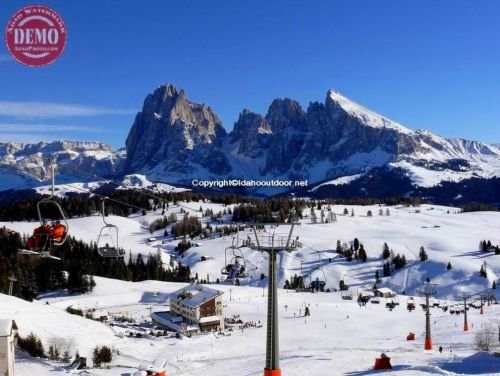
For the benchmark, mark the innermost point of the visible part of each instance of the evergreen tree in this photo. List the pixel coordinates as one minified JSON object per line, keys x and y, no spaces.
{"x":482,"y":271}
{"x":339,"y":248}
{"x":386,"y":253}
{"x":422,"y":254}
{"x":448,"y":267}
{"x":494,"y":285}
{"x":377,"y":276}
{"x":387,"y":270}
{"x":484,"y":246}
{"x":362,"y":253}
{"x":349,"y":253}
{"x":356,"y":244}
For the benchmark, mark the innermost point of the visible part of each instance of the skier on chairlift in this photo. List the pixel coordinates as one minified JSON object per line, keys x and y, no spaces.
{"x":38,"y":240}
{"x":57,"y":232}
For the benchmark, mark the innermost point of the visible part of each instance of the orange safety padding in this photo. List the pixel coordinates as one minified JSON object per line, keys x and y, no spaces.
{"x":428,"y":344}
{"x":382,"y":363}
{"x":272,"y":372}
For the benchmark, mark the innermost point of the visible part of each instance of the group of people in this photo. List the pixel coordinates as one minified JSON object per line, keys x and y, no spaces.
{"x":45,"y":235}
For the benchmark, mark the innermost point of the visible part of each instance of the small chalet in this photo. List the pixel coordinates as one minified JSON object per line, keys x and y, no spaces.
{"x":195,"y":308}
{"x":384,"y":292}
{"x":8,"y":329}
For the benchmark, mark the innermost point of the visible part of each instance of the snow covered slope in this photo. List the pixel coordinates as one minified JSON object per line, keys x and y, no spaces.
{"x":365,"y":115}
{"x":446,"y":236}
{"x":339,"y":338}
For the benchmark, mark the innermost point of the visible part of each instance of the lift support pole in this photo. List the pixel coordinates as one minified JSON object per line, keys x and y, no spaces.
{"x":272,"y":244}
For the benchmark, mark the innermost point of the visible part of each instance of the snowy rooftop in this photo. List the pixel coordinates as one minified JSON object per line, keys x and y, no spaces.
{"x":171,"y":321}
{"x":195,"y":295}
{"x":6,"y":327}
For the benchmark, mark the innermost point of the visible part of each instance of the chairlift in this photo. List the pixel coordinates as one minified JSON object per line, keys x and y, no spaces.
{"x":46,"y":237}
{"x":107,"y":241}
{"x":234,"y":262}
{"x":390,"y":304}
{"x":346,"y":294}
{"x":410,"y":304}
{"x":318,"y":284}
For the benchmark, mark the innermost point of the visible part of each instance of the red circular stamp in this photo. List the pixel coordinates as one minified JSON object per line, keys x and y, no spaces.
{"x":36,"y":35}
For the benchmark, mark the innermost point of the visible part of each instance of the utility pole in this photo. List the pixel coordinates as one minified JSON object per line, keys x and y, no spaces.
{"x":465,"y":296}
{"x":230,"y":295}
{"x":428,"y":290}
{"x":272,"y":244}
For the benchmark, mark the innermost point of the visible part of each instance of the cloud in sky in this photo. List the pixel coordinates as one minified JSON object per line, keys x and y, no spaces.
{"x":33,"y":133}
{"x":27,"y":138}
{"x":41,"y":128}
{"x":43,"y":110}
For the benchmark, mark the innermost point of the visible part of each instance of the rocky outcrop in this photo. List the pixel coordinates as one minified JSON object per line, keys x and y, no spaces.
{"x":251,"y":135}
{"x":177,"y":134}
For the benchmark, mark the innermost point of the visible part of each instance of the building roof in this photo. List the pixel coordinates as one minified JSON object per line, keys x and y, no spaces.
{"x":171,"y":321}
{"x":195,"y":295}
{"x":6,"y":327}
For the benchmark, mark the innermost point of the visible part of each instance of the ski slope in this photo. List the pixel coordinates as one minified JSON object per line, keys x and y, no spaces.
{"x":340,"y":336}
{"x":446,"y":236}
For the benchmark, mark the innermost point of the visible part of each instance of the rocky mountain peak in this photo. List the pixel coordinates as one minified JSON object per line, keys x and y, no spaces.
{"x":171,"y":130}
{"x":285,"y":113}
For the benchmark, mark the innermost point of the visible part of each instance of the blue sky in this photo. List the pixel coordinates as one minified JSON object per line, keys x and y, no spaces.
{"x":426,"y":64}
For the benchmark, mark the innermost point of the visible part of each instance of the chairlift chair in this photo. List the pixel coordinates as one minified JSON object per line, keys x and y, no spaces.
{"x":235,"y":265}
{"x":317,"y":284}
{"x":51,"y":200}
{"x":51,"y":240}
{"x":107,"y":241}
{"x":410,"y":304}
{"x":346,"y":294}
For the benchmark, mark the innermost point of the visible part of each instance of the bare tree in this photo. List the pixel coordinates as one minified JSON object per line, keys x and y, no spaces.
{"x":485,"y":339}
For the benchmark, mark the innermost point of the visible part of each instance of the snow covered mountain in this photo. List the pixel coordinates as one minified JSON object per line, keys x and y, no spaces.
{"x":175,"y":140}
{"x":337,"y":142}
{"x":26,"y":165}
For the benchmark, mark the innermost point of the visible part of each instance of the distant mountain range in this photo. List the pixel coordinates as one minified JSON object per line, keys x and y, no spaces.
{"x":331,"y":144}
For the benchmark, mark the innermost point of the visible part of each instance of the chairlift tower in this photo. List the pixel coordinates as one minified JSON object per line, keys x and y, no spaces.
{"x":465,"y":296}
{"x":272,"y":244}
{"x":428,"y":290}
{"x":483,"y":297}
